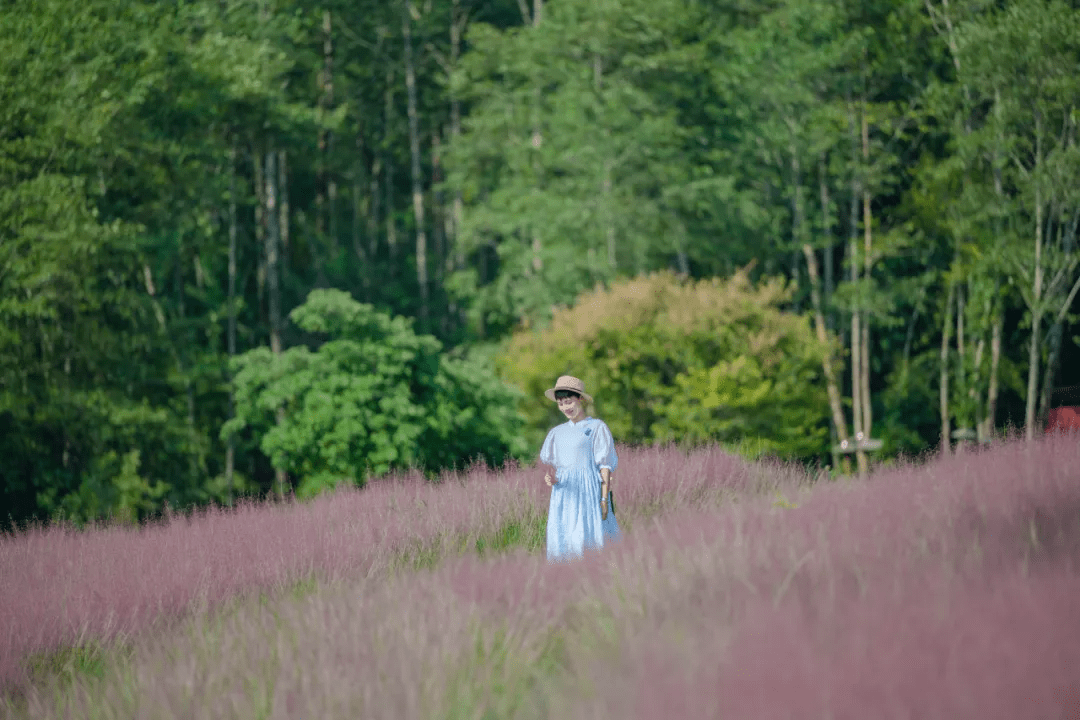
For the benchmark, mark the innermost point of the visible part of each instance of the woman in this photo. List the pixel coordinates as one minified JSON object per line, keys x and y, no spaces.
{"x":582,"y":452}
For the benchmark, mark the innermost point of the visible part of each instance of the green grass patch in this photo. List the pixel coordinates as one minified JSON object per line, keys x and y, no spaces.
{"x":529,"y":533}
{"x":86,"y":660}
{"x":63,"y":667}
{"x":509,"y":675}
{"x":503,"y":675}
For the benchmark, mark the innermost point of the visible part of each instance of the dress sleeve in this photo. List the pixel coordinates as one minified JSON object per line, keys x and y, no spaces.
{"x":604,"y":447}
{"x":547,"y":452}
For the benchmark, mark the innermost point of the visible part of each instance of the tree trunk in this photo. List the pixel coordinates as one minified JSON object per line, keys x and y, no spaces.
{"x":417,"y":182}
{"x":986,"y":432}
{"x":1033,"y":372}
{"x":259,"y":181}
{"x":537,"y":142}
{"x":826,"y":295}
{"x":1036,"y":292}
{"x":989,"y":422}
{"x":373,"y":216}
{"x":328,"y":92}
{"x":438,"y":227}
{"x":833,"y":387}
{"x":961,"y":361}
{"x":943,"y":386}
{"x":326,"y":189}
{"x":681,"y":258}
{"x":456,"y":27}
{"x":976,"y":377}
{"x":856,"y":312}
{"x":605,"y":181}
{"x":230,"y":448}
{"x":961,"y":353}
{"x":455,"y":256}
{"x":909,"y":337}
{"x":180,"y":344}
{"x":868,"y":260}
{"x":360,"y":210}
{"x":826,"y":231}
{"x":388,"y":171}
{"x":799,"y":232}
{"x":1050,"y":371}
{"x":283,"y":263}
{"x":283,"y":213}
{"x":273,"y":240}
{"x":481,"y":325}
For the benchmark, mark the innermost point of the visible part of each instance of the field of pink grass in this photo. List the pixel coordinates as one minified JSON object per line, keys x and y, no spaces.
{"x":948,"y":590}
{"x":63,"y":587}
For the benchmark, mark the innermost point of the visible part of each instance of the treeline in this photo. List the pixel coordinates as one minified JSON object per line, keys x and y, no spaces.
{"x":176,"y":178}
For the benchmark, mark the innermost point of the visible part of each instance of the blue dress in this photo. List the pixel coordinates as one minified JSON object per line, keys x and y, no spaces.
{"x":578,"y":451}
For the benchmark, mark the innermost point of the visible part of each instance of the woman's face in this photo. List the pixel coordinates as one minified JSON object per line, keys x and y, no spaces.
{"x":571,"y":407}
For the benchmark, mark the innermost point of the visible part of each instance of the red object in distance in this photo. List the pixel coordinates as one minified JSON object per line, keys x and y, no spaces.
{"x":1063,"y":419}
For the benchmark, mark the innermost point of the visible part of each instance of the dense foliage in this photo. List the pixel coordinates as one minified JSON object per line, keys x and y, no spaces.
{"x":670,"y":360}
{"x":177,"y":178}
{"x":372,"y":398}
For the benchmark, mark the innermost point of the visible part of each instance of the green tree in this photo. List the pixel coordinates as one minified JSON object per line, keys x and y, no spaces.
{"x":372,"y":397}
{"x":1032,"y":89}
{"x":674,"y":360}
{"x":113,"y":131}
{"x":573,"y":191}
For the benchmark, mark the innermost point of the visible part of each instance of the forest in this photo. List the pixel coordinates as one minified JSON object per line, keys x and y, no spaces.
{"x":254,"y":247}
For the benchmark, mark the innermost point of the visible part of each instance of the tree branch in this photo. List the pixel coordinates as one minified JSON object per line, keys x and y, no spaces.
{"x":1066,"y":268}
{"x":1069,"y":300}
{"x":439,"y":57}
{"x":525,"y":14}
{"x":1020,"y":165}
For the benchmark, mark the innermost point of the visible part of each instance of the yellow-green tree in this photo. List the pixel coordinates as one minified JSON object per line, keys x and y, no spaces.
{"x":669,"y":359}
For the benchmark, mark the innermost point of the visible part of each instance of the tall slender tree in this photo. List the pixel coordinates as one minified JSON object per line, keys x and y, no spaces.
{"x":414,"y":155}
{"x":273,"y":277}
{"x":230,"y":450}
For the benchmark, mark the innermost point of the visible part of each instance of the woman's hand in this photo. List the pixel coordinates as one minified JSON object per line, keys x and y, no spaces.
{"x":605,"y":484}
{"x":549,"y":480}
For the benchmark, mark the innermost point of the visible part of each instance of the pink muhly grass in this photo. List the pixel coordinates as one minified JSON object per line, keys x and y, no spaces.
{"x":403,"y":647}
{"x":940,"y":592}
{"x":1002,"y":647}
{"x":923,"y":592}
{"x":64,"y":587}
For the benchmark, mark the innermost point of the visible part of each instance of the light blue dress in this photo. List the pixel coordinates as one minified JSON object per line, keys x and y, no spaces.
{"x":578,"y":451}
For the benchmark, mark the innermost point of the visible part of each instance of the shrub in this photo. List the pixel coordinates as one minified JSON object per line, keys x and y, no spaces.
{"x":712,"y":360}
{"x":371,"y":398}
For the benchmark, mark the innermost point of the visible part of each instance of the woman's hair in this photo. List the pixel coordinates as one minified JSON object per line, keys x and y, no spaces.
{"x":560,"y":394}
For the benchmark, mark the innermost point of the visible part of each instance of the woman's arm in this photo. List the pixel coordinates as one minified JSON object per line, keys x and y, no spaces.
{"x":605,"y":479}
{"x":605,"y":458}
{"x":547,"y":456}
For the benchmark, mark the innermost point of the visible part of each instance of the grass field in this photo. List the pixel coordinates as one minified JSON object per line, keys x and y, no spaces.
{"x":947,"y":589}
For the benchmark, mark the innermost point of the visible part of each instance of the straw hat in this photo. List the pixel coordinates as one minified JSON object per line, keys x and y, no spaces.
{"x":568,"y":382}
